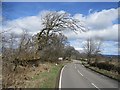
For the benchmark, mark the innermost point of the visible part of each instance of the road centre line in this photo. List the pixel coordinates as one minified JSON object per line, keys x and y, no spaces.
{"x":82,"y":66}
{"x":80,"y":73}
{"x":75,"y":66}
{"x":87,"y":79}
{"x":95,"y":86}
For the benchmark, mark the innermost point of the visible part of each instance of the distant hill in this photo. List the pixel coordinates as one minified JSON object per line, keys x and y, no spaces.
{"x":112,"y":56}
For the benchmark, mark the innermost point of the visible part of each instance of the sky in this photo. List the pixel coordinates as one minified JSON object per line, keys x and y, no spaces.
{"x":100,"y":17}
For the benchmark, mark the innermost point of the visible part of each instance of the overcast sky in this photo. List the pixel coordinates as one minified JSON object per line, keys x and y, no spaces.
{"x":100,"y":17}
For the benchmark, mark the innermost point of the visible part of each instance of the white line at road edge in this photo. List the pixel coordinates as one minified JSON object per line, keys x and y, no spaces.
{"x":79,"y":73}
{"x":95,"y":86}
{"x":60,"y":81}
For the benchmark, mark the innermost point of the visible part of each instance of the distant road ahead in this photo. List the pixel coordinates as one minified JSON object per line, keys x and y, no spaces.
{"x":74,"y":75}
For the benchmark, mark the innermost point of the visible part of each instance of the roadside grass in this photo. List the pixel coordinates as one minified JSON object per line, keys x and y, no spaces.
{"x":48,"y":78}
{"x":46,"y":75}
{"x":106,"y":73}
{"x":111,"y":74}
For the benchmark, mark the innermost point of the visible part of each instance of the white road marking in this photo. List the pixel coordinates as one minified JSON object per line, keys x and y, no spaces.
{"x":60,"y":81}
{"x":79,"y":73}
{"x":95,"y":86}
{"x":75,"y":66}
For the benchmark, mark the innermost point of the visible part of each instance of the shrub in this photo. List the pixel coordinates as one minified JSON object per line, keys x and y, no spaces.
{"x":102,"y":65}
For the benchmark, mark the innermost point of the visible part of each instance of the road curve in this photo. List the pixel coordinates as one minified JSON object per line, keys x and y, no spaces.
{"x":74,"y":75}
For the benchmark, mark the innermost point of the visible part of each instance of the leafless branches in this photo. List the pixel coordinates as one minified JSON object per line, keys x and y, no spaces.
{"x":92,"y":47}
{"x":54,"y":22}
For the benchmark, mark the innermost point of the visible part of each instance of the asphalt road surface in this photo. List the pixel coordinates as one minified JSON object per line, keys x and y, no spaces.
{"x":74,"y":75}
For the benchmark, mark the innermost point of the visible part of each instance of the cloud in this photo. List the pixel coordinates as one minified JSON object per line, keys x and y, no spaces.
{"x":102,"y":19}
{"x":90,"y":10}
{"x":0,"y":23}
{"x":110,"y":47}
{"x":99,"y":20}
{"x":31,"y":23}
{"x":109,"y":34}
{"x":100,"y":24}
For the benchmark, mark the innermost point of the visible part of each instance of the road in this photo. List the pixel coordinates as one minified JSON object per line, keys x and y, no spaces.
{"x":74,"y":75}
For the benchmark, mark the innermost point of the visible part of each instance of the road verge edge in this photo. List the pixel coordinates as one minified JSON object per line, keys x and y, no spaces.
{"x":60,"y":76}
{"x":102,"y":73}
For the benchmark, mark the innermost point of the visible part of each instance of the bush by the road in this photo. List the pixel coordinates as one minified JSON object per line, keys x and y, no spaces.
{"x":106,"y":66}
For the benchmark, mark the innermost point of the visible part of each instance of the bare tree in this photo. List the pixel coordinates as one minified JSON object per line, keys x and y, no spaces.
{"x":92,"y":47}
{"x":54,"y":22}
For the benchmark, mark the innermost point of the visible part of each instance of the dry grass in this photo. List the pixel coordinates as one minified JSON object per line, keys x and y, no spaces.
{"x":28,"y":77}
{"x":22,"y":76}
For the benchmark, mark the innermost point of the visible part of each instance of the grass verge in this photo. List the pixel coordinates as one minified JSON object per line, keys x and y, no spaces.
{"x":48,"y":78}
{"x":109,"y":74}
